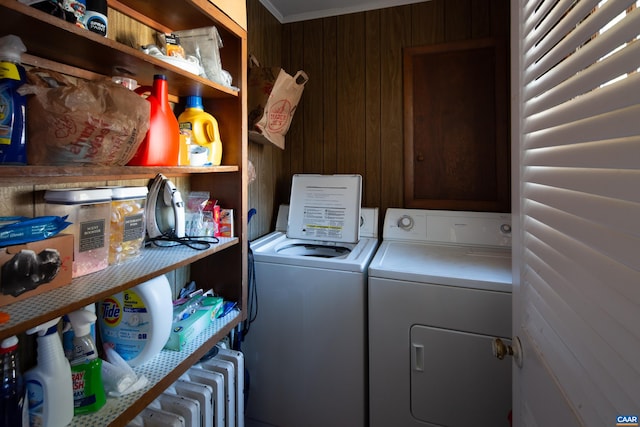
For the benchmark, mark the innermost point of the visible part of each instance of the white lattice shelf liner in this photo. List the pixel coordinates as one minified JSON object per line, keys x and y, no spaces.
{"x":166,"y":364}
{"x":83,"y":290}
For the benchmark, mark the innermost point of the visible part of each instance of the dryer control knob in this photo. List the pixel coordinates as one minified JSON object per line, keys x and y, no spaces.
{"x":405,"y":222}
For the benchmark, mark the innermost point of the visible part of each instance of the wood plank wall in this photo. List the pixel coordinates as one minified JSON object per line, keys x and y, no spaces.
{"x":350,"y":117}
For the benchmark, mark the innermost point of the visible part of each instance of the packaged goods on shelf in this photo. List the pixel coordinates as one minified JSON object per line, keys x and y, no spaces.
{"x":128,"y":224}
{"x":191,"y":318}
{"x":35,"y":267}
{"x":84,"y":122}
{"x":89,"y":211}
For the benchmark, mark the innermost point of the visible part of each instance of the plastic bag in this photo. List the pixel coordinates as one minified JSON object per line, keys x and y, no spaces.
{"x":88,"y":122}
{"x":20,"y":230}
{"x":204,"y":44}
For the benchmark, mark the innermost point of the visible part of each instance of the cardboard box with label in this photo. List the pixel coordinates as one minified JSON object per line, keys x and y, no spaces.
{"x":33,"y":268}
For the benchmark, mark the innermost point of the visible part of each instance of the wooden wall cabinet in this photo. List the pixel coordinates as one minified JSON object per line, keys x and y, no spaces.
{"x":456,"y":148}
{"x":53,"y":43}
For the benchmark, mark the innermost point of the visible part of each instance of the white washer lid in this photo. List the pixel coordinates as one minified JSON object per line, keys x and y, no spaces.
{"x":325,"y":208}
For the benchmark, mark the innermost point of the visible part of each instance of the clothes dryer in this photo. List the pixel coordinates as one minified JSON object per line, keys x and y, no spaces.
{"x":439,"y":294}
{"x":306,"y":351}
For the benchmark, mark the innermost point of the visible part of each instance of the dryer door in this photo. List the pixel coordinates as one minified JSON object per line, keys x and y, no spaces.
{"x":455,"y":379}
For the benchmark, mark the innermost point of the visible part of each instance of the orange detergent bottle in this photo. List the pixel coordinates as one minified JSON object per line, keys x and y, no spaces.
{"x":161,"y":145}
{"x":200,"y":137}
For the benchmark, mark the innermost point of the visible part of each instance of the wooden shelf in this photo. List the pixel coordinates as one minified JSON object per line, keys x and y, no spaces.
{"x":26,"y":175}
{"x":84,"y":290}
{"x":53,"y":39}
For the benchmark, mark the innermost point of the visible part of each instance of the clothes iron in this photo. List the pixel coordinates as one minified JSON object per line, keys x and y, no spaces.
{"x":164,"y":211}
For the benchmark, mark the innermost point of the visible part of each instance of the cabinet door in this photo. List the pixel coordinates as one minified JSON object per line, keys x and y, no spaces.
{"x":456,"y":126}
{"x":455,"y":379}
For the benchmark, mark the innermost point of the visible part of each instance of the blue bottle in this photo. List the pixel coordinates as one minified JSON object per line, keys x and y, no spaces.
{"x":13,"y":405}
{"x":13,"y":148}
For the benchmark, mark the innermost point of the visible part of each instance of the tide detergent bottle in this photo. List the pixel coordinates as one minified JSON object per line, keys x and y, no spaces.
{"x":161,"y":144}
{"x":200,"y":144}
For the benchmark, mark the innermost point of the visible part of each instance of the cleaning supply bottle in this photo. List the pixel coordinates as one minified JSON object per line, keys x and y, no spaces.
{"x":162,"y":142}
{"x":49,"y":388}
{"x":137,"y":322}
{"x":12,"y":105}
{"x":86,"y":366}
{"x":13,"y":401}
{"x":201,"y":128}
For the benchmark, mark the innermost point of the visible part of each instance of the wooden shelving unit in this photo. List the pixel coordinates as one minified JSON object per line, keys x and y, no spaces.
{"x":66,"y":48}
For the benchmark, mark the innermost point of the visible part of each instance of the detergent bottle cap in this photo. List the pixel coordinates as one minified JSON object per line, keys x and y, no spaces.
{"x":11,"y":48}
{"x":81,"y":321}
{"x":194,"y":102}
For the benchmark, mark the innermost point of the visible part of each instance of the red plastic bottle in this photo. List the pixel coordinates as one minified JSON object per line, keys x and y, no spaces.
{"x":161,"y":145}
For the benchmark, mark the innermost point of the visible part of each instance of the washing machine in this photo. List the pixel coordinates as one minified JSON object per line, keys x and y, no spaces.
{"x":306,"y":351}
{"x":439,"y":295}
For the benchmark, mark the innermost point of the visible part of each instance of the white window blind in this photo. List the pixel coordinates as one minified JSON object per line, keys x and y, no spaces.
{"x":580,"y":199}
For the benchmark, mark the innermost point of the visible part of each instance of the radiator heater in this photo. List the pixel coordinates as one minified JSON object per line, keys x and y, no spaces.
{"x":209,"y":394}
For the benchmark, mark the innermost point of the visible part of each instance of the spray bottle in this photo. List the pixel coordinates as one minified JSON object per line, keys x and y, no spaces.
{"x":12,"y":105}
{"x":49,"y":388}
{"x":86,"y":366}
{"x":200,"y":128}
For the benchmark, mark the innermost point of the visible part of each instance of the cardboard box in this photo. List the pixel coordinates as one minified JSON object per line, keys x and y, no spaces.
{"x":184,"y":330}
{"x":36,"y":267}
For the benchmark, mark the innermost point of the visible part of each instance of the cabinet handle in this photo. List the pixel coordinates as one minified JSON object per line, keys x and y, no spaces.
{"x":420,"y":157}
{"x":418,"y":357}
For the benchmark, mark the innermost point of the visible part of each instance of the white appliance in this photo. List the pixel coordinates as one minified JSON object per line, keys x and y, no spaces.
{"x":439,"y":294}
{"x":306,"y":351}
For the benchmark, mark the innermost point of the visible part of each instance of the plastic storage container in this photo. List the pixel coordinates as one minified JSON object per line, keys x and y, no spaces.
{"x":89,"y":211}
{"x":127,"y":223}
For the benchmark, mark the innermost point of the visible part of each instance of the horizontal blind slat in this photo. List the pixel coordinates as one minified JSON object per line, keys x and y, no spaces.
{"x":582,"y":83}
{"x":564,"y":18}
{"x":617,"y":214}
{"x":617,"y":153}
{"x":622,"y":123}
{"x":567,"y":60}
{"x":615,"y":96}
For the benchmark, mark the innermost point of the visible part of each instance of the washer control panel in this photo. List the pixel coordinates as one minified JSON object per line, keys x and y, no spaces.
{"x":448,"y":227}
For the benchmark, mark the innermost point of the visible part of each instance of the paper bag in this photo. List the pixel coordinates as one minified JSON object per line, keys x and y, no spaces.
{"x":273,"y":98}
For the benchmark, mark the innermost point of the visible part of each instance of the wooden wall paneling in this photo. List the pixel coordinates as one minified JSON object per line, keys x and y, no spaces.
{"x":457,"y":20}
{"x":312,"y":106}
{"x":330,"y":96}
{"x":264,"y":40}
{"x":372,"y":196}
{"x":351,"y":93}
{"x":293,"y":51}
{"x":17,"y":201}
{"x":395,"y":21}
{"x":427,"y":26}
{"x":481,"y":18}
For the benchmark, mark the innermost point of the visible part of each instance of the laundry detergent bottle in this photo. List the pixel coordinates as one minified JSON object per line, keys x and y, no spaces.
{"x":201,"y":130}
{"x":161,"y":144}
{"x":86,"y":366}
{"x":13,"y":148}
{"x":137,"y":322}
{"x":49,"y":389}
